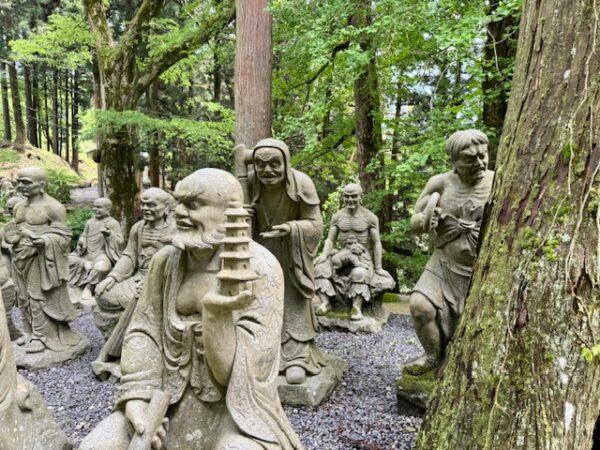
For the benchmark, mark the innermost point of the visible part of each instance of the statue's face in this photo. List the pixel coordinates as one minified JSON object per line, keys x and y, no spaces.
{"x":352,"y":198}
{"x":29,"y":186}
{"x":270,"y":166}
{"x":153,"y":208}
{"x":471,"y":163}
{"x":100,"y":209}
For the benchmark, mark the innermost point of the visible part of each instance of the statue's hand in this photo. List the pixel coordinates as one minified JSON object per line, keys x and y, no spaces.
{"x":435,"y":218}
{"x":105,"y":285}
{"x":38,"y":242}
{"x":320,"y":259}
{"x":136,"y":412}
{"x":105,"y":231}
{"x":381,"y":272}
{"x":277,"y":231}
{"x":217,"y":302}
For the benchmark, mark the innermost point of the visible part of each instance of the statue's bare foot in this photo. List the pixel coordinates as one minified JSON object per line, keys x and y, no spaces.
{"x":295,"y":375}
{"x":35,"y":346}
{"x":323,"y":309}
{"x":356,"y":314}
{"x":21,"y":341}
{"x":422,"y":364}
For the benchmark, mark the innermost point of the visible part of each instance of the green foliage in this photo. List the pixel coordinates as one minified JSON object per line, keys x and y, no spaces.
{"x":76,"y":220}
{"x":60,"y":183}
{"x":8,"y":156}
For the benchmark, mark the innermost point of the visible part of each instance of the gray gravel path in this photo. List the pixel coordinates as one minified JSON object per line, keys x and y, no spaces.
{"x":360,"y":415}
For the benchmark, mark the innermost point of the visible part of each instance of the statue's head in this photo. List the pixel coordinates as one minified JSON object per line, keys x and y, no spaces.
{"x":101,"y":207}
{"x":156,"y":204}
{"x":11,"y":203}
{"x":202,"y":199}
{"x":352,"y":195}
{"x":269,"y":158}
{"x":468,"y":152}
{"x":31,"y":182}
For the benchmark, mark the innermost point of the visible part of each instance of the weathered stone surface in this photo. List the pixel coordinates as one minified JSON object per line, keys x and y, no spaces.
{"x":414,"y":391}
{"x":316,"y":389}
{"x":342,"y":322}
{"x":49,"y":358}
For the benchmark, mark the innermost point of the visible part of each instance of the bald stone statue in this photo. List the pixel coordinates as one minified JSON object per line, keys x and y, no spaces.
{"x":450,"y":209}
{"x":200,"y":361}
{"x":98,"y":249}
{"x":352,"y":275}
{"x":40,"y":244}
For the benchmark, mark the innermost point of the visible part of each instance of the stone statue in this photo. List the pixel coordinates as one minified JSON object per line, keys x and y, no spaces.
{"x":287,"y":221}
{"x":8,"y":286}
{"x":450,"y":208}
{"x":6,"y":186}
{"x":40,"y":244}
{"x":98,"y":249}
{"x":200,"y":358}
{"x":117,"y":294}
{"x":25,"y":420}
{"x":353,"y":274}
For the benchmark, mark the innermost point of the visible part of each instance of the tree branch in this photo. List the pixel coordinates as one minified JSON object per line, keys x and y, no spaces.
{"x":95,"y":12}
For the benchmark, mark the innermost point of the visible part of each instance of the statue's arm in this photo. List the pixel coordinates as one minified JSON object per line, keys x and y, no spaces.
{"x":219,"y":342}
{"x":331,"y":238}
{"x":435,"y":184}
{"x":115,"y":233}
{"x":127,"y":263}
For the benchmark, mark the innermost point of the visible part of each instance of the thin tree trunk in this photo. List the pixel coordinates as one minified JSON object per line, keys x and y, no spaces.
{"x":5,"y":105}
{"x":35,"y":104}
{"x":67,"y":108}
{"x":252,"y":79}
{"x":515,"y":376}
{"x":20,"y":132}
{"x":46,"y":113}
{"x":75,"y":122}
{"x":29,"y":110}
{"x":55,"y":114}
{"x":216,"y":77}
{"x":154,"y":153}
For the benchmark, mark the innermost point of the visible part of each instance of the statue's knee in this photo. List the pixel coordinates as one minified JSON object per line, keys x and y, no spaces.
{"x":421,"y":307}
{"x":359,"y":275}
{"x":102,"y":267}
{"x":110,"y":434}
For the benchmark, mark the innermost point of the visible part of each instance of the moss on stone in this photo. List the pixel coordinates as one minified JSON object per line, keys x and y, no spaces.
{"x":424,"y":383}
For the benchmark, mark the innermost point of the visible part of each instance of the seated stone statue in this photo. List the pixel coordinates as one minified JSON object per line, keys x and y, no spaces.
{"x":8,"y":286}
{"x":40,"y":244}
{"x":122,"y":285}
{"x":98,"y":249}
{"x":352,"y":275}
{"x":200,"y":359}
{"x":25,"y":421}
{"x":450,"y":208}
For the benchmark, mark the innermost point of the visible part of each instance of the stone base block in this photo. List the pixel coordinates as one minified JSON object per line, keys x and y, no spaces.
{"x":107,"y":371}
{"x":83,"y":303}
{"x":414,"y":391}
{"x":340,"y":321}
{"x":106,"y":321}
{"x":48,"y":358}
{"x":316,"y":389}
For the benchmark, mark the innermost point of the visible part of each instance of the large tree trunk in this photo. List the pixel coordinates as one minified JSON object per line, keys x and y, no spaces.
{"x":20,"y":133}
{"x":29,"y":108}
{"x":75,"y":123}
{"x":500,"y":49}
{"x":515,"y":377}
{"x":252,"y":79}
{"x":5,"y":106}
{"x":154,"y":150}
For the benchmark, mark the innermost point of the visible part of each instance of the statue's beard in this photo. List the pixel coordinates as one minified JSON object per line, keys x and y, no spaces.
{"x":197,"y":240}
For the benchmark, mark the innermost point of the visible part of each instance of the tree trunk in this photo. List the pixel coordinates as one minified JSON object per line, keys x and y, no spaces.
{"x":252,"y":78}
{"x":46,"y":115}
{"x":20,"y":133}
{"x":29,"y":110}
{"x":515,"y":377}
{"x":67,"y":108}
{"x":499,"y":55}
{"x":5,"y":106}
{"x":75,"y":123}
{"x":55,"y":117}
{"x":154,"y":151}
{"x":36,"y":106}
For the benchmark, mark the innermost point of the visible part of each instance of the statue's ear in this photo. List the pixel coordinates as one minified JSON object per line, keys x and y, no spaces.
{"x":43,"y":185}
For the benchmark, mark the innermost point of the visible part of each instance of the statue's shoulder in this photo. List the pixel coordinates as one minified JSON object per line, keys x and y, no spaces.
{"x":164,"y":255}
{"x":55,"y":209}
{"x":370,"y":217}
{"x":306,"y":188}
{"x":335,"y":220}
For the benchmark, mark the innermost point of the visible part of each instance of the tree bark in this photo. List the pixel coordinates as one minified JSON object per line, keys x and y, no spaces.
{"x":55,"y":114}
{"x":67,"y":107}
{"x":154,"y":151}
{"x":515,"y":377}
{"x":252,"y":72}
{"x":20,"y":133}
{"x":499,"y":54}
{"x":75,"y":123}
{"x":5,"y":106}
{"x":46,"y":113}
{"x":29,"y":109}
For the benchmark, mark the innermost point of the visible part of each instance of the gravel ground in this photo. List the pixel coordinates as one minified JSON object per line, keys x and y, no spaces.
{"x":360,"y":414}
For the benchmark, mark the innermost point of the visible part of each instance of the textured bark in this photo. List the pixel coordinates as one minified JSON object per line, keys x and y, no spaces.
{"x":500,"y":50}
{"x":66,"y":109}
{"x":515,"y":378}
{"x":20,"y":133}
{"x":35,"y":87}
{"x":46,"y":113}
{"x":29,"y":110}
{"x":154,"y":151}
{"x":75,"y":123}
{"x":5,"y":108}
{"x":55,"y":113}
{"x":252,"y":78}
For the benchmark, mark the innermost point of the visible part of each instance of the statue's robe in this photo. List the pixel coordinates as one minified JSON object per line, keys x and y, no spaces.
{"x":97,"y":246}
{"x":164,"y":351}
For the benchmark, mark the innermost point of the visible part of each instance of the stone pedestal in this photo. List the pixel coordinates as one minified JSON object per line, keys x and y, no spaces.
{"x":48,"y":358}
{"x":106,"y":321}
{"x":340,"y":321}
{"x":316,"y":389}
{"x":414,"y":391}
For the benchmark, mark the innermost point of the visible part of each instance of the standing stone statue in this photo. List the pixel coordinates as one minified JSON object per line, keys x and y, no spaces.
{"x":352,"y":275}
{"x":98,"y":249}
{"x":200,"y":358}
{"x":40,"y":244}
{"x":117,"y":294}
{"x":25,"y":422}
{"x":7,"y":285}
{"x":287,"y":221}
{"x":450,"y":209}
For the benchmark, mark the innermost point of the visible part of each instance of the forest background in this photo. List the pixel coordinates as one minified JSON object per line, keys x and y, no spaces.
{"x":361,"y":91}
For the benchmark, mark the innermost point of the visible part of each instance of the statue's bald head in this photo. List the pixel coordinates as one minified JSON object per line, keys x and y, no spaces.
{"x":34,"y":173}
{"x":213,"y":185}
{"x":32,"y":182}
{"x":353,"y":188}
{"x":159,"y":195}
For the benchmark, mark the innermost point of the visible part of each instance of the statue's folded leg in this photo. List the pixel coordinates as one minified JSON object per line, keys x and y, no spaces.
{"x":113,"y":433}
